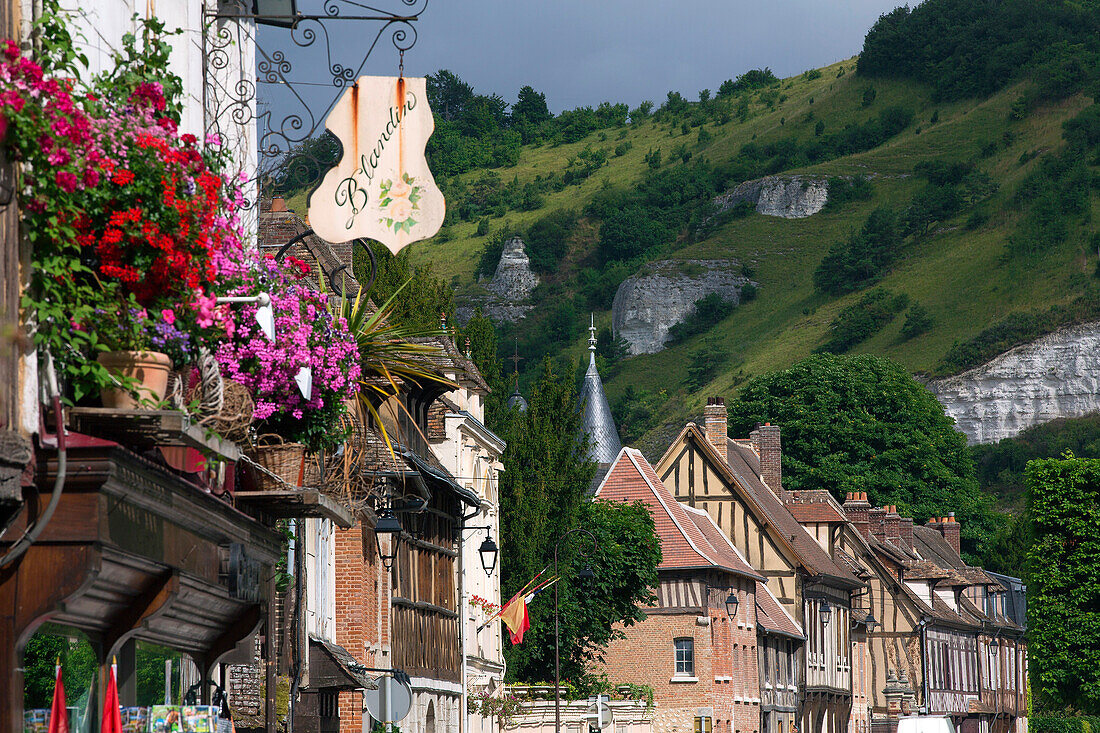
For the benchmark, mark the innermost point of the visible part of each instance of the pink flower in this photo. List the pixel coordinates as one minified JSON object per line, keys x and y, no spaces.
{"x":168,"y":316}
{"x":67,"y":180}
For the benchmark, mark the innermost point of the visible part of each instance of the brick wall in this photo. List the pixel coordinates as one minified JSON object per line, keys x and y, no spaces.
{"x":362,"y":611}
{"x":725,"y":670}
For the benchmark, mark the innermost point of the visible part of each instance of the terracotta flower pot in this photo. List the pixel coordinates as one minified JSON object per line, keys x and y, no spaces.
{"x":148,"y":368}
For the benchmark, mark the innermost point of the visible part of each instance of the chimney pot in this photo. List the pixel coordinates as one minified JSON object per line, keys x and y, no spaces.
{"x":278,"y":203}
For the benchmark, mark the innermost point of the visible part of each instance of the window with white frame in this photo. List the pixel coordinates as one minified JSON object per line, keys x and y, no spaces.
{"x":685,"y":656}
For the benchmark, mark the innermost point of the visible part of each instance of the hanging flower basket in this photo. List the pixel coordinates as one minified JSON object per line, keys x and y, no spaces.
{"x":146,"y":371}
{"x":285,"y":460}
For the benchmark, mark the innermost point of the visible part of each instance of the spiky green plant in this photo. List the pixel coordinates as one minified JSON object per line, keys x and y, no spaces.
{"x":389,"y":357}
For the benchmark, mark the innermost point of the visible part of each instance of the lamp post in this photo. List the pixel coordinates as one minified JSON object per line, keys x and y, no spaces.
{"x":586,"y":573}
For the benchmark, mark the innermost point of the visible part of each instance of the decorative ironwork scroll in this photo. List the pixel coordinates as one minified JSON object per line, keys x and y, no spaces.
{"x":277,"y":90}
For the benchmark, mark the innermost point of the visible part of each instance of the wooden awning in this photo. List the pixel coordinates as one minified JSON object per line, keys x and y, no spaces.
{"x":136,"y":552}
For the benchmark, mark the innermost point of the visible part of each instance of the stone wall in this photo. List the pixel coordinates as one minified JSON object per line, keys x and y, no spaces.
{"x":1056,"y":376}
{"x":664,"y":293}
{"x":537,"y":716}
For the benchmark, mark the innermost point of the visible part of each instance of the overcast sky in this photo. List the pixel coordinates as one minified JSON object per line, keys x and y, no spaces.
{"x":583,"y":52}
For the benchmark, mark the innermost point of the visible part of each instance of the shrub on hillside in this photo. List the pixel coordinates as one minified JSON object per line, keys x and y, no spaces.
{"x":1016,"y":329}
{"x":863,"y":257}
{"x":547,"y":239}
{"x":708,"y":311}
{"x":917,"y":321}
{"x":857,"y":323}
{"x":844,"y":189}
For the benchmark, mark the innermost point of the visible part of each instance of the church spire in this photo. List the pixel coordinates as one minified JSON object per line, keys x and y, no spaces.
{"x":596,"y":420}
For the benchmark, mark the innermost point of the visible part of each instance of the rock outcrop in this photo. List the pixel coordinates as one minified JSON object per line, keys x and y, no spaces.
{"x":514,"y":280}
{"x":508,"y":291}
{"x":664,"y":293}
{"x":789,"y":197}
{"x":1055,"y":376}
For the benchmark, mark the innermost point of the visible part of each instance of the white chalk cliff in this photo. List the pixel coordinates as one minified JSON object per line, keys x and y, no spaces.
{"x":789,"y":197}
{"x":648,"y":304}
{"x":1055,"y":376}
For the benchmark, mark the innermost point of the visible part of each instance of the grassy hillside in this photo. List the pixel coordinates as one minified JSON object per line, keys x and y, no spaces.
{"x":960,"y":271}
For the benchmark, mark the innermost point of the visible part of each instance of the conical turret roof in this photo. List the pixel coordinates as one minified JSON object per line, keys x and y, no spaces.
{"x":596,"y":420}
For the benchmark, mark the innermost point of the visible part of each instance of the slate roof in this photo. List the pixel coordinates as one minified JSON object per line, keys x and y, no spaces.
{"x":1015,"y":598}
{"x":596,"y":419}
{"x":688,"y":540}
{"x":276,"y":228}
{"x":771,"y":615}
{"x":449,"y":358}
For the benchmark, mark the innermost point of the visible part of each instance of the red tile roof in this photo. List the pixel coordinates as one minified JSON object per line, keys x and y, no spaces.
{"x":723,"y":549}
{"x":771,"y":615}
{"x":815,"y":512}
{"x":683,"y":544}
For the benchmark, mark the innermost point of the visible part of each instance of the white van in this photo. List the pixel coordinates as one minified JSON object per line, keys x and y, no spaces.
{"x":925,"y":724}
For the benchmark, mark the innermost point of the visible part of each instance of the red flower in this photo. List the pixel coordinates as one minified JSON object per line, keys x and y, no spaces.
{"x":122,"y":177}
{"x":189,"y":139}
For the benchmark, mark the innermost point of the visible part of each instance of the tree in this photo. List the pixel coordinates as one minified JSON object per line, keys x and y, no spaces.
{"x":862,"y":423}
{"x":543,"y":494}
{"x":531,"y":107}
{"x":447,"y":94}
{"x":1063,"y":605}
{"x":420,"y":303}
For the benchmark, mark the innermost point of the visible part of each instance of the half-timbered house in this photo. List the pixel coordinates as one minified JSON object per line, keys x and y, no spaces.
{"x":925,"y":625}
{"x":697,"y":647}
{"x":739,"y":483}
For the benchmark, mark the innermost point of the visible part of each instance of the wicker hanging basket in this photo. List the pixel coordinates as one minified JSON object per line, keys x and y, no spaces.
{"x":285,"y":460}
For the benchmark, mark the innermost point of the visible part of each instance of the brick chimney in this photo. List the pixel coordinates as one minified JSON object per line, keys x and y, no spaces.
{"x":714,"y":420}
{"x":767,"y":444}
{"x":876,"y":518}
{"x":950,"y":530}
{"x":892,"y":524}
{"x":906,"y":529}
{"x":856,"y":507}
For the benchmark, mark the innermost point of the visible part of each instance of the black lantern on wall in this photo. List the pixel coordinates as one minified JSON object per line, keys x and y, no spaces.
{"x":389,"y":526}
{"x":731,"y":605}
{"x":488,"y":552}
{"x":825,"y":612}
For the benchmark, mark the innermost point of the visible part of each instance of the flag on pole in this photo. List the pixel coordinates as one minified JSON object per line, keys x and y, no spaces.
{"x":112,"y":716}
{"x":59,"y":715}
{"x":514,"y":612}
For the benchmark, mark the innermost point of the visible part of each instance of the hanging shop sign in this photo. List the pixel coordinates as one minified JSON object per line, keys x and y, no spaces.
{"x":381,"y":189}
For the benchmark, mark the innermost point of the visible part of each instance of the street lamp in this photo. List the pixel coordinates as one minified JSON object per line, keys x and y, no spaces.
{"x":488,"y":552}
{"x":825,"y":612}
{"x":585,"y":573}
{"x":389,"y":525}
{"x":731,"y":605}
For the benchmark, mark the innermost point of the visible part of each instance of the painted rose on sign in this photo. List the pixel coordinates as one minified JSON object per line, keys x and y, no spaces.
{"x":400,"y":203}
{"x":381,"y":189}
